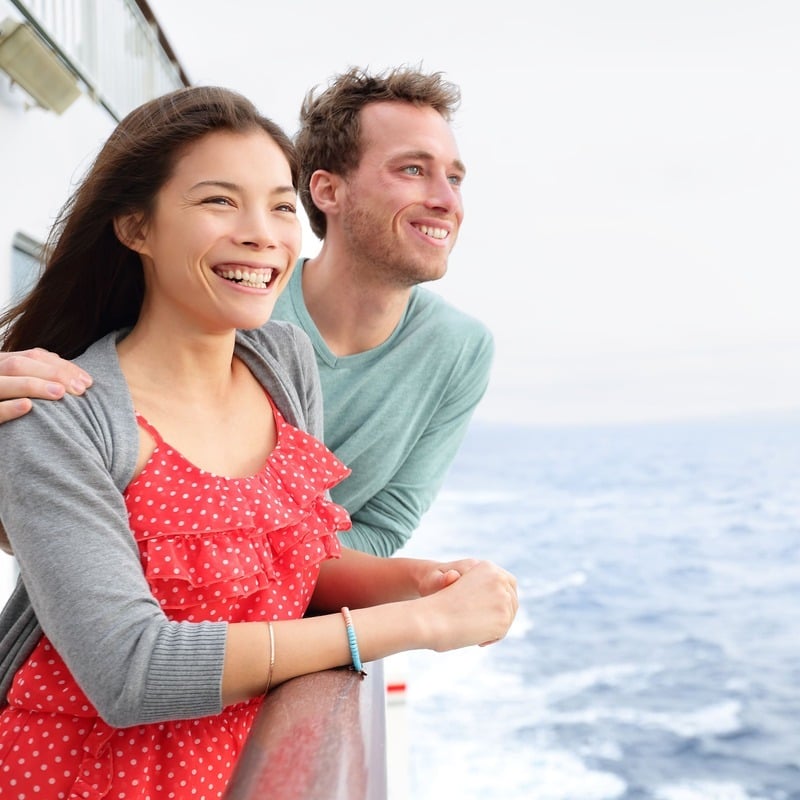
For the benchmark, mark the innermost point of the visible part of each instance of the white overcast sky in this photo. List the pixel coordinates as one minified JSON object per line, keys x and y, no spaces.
{"x":633,"y":189}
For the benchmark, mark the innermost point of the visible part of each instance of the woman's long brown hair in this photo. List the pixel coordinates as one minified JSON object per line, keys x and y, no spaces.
{"x":92,"y":284}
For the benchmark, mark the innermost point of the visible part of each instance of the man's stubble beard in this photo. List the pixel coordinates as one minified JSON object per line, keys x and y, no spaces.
{"x":382,"y":257}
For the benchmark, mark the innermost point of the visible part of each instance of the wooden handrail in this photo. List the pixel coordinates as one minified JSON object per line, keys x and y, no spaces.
{"x":318,"y":737}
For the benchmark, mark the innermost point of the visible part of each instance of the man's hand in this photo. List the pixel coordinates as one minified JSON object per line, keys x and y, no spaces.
{"x":443,"y":575}
{"x":36,"y":373}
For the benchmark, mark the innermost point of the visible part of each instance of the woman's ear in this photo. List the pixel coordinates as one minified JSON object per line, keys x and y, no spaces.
{"x":129,"y":229}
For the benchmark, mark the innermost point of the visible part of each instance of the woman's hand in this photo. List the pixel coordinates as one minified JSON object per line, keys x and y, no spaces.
{"x":467,"y":602}
{"x":475,"y":605}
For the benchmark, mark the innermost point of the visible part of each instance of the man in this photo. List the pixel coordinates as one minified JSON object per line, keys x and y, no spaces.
{"x":401,"y":370}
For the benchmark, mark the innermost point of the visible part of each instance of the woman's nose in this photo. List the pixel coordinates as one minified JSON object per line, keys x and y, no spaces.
{"x":256,"y":231}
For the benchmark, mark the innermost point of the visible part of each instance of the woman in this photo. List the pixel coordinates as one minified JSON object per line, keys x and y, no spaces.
{"x":173,"y":526}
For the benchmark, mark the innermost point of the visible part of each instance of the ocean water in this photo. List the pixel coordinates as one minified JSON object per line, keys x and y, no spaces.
{"x":656,"y":655}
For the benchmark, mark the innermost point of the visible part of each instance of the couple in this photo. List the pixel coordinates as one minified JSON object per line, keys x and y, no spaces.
{"x":374,"y":335}
{"x":173,"y":525}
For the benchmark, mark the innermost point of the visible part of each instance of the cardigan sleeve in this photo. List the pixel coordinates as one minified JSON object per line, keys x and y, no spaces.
{"x":68,"y":526}
{"x":282,"y":358}
{"x":64,"y":469}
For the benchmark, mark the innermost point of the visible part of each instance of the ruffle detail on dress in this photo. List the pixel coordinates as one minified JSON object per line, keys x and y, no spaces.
{"x":296,"y":476}
{"x":96,"y":770}
{"x":305,"y":467}
{"x":227,"y":554}
{"x":185,"y":571}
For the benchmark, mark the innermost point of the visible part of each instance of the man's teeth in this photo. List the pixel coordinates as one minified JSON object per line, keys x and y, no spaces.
{"x":434,"y":233}
{"x":256,"y":279}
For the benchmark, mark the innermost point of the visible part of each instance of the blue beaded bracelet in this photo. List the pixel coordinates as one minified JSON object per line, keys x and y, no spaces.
{"x":351,"y":638}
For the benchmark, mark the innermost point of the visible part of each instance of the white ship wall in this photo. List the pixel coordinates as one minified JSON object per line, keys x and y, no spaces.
{"x":41,"y":156}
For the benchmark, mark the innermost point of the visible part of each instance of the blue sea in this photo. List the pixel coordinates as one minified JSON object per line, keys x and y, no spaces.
{"x":656,"y":655}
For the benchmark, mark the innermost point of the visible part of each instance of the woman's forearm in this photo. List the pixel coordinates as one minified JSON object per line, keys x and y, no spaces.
{"x":475,"y":608}
{"x":313,"y":644}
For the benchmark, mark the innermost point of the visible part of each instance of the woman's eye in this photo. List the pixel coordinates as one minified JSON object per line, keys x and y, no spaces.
{"x":287,"y":207}
{"x":218,"y":201}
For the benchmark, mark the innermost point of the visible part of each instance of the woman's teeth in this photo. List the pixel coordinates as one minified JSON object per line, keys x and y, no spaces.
{"x":255,"y":279}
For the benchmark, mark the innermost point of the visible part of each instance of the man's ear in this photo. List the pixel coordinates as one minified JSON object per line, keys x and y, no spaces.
{"x":324,"y":188}
{"x":130,"y":230}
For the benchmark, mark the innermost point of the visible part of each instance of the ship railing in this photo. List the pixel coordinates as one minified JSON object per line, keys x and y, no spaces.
{"x":317,"y":737}
{"x":115,"y":48}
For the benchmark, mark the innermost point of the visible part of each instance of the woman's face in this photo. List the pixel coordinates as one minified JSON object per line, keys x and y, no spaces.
{"x":224,"y":235}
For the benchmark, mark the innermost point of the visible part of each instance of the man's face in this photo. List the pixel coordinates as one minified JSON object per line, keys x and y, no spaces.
{"x":402,"y":208}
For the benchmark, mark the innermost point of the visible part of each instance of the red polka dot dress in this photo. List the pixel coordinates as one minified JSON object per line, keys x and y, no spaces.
{"x":212,"y":548}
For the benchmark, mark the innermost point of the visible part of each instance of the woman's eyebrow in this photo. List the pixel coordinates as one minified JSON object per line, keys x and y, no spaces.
{"x":230,"y":186}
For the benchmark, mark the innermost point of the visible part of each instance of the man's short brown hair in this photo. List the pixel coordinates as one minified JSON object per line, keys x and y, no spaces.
{"x":329,"y":137}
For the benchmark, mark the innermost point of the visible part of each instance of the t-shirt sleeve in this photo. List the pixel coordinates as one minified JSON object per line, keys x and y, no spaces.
{"x":385,"y":522}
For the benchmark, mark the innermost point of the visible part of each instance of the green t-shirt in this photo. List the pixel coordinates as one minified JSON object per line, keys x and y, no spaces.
{"x":396,"y":414}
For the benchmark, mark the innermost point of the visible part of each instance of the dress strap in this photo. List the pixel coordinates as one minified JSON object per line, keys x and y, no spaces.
{"x":280,"y":422}
{"x":279,"y":418}
{"x":143,"y":423}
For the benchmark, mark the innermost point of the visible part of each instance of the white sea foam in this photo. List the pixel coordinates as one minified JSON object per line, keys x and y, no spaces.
{"x":523,"y":623}
{"x":462,"y":500}
{"x":744,"y":578}
{"x":606,"y":749}
{"x":714,"y":720}
{"x":522,"y":773}
{"x":456,"y":677}
{"x":570,"y":684}
{"x":704,"y":790}
{"x":460,"y":681}
{"x":596,"y":500}
{"x":547,"y":589}
{"x":662,"y":551}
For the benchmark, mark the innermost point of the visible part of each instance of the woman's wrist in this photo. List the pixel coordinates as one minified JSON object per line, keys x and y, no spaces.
{"x":393,"y":628}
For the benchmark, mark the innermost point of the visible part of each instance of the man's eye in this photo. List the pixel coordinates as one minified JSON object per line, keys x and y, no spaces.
{"x":456,"y":180}
{"x":413,"y":170}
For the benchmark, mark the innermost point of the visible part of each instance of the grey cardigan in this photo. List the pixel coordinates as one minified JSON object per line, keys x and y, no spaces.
{"x":64,"y":467}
